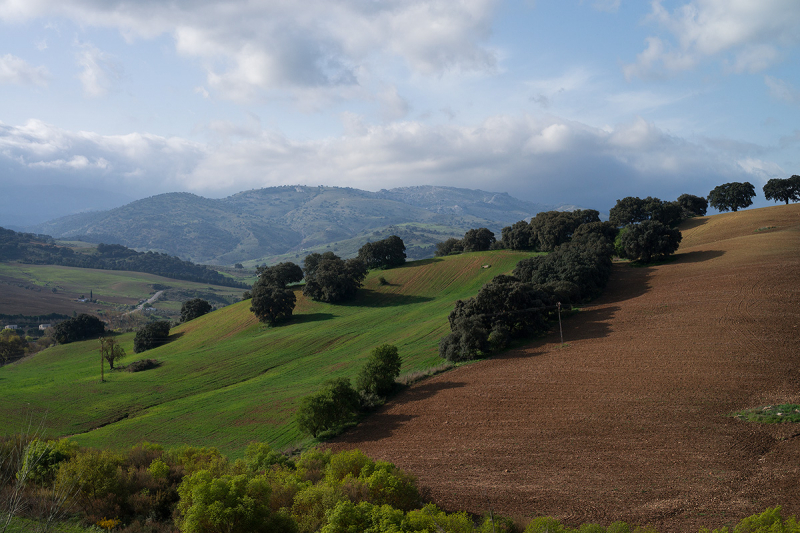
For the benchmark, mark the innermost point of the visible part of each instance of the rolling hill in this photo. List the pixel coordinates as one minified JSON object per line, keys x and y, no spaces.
{"x":227,"y":380}
{"x":259,"y":225}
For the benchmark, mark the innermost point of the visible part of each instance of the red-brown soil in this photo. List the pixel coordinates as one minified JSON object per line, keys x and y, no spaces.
{"x":629,"y":420}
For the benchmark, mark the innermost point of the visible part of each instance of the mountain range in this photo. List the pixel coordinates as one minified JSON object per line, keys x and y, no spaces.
{"x":265,"y":225}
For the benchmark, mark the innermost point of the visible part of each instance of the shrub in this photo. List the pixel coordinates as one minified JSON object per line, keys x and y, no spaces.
{"x":381,"y":369}
{"x":151,"y":336}
{"x":328,"y":408}
{"x":143,"y":364}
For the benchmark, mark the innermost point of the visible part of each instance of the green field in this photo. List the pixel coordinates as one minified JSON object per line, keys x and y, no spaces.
{"x":42,"y":289}
{"x":227,"y":380}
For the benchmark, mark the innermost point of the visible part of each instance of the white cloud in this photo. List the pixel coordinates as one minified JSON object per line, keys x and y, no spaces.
{"x":99,"y":73}
{"x":761,"y":170}
{"x":746,"y":36}
{"x":782,"y":90}
{"x":251,"y":49}
{"x":17,"y":71}
{"x":538,"y":158}
{"x":609,"y":6}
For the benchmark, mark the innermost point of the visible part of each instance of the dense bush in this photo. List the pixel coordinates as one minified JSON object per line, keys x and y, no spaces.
{"x":194,"y":308}
{"x":334,"y":404}
{"x":271,"y":304}
{"x":381,"y":369}
{"x":632,"y":210}
{"x":151,"y":336}
{"x":547,"y":229}
{"x":142,"y":365}
{"x":80,"y":328}
{"x":279,"y":275}
{"x":387,"y":253}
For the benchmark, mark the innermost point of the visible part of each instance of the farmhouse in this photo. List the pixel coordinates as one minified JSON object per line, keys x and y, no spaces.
{"x":43,"y":327}
{"x":12,"y":326}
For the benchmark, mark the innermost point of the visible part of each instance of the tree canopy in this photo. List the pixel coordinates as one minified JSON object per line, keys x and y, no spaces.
{"x":477,"y":240}
{"x":335,"y":403}
{"x":648,"y":241}
{"x":632,"y":210}
{"x":111,"y":351}
{"x":270,"y":303}
{"x":387,"y":253}
{"x":280,"y":275}
{"x":330,"y":279}
{"x":194,"y":308}
{"x":783,"y":190}
{"x":693,"y":205}
{"x":732,"y":196}
{"x":79,"y":328}
{"x":152,"y":335}
{"x":381,"y":369}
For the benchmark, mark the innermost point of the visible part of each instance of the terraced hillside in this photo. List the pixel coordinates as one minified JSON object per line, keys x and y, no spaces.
{"x":630,"y":420}
{"x":226,"y":379}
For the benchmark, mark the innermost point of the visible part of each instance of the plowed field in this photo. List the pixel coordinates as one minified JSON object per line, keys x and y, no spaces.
{"x":628,"y":421}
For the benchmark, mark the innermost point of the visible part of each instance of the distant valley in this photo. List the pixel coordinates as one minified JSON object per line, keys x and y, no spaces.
{"x":285,"y":223}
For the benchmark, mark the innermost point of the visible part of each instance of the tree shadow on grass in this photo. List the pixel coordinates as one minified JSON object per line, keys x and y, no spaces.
{"x":311,"y":317}
{"x":371,"y":298}
{"x":419,"y":262}
{"x":174,"y":336}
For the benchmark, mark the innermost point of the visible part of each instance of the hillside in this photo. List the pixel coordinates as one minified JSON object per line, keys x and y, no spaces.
{"x":630,"y":420}
{"x":226,"y":379}
{"x":259,"y":225}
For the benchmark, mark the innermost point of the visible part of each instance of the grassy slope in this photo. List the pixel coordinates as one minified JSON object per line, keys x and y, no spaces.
{"x":226,"y":379}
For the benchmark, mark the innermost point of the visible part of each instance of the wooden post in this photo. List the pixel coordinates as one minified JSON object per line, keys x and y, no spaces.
{"x":102,"y":354}
{"x":561,"y":331}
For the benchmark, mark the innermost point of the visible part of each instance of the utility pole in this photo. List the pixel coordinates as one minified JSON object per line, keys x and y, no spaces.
{"x":561,"y":331}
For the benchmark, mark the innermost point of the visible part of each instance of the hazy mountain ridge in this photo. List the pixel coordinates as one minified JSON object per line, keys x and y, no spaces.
{"x":268,"y":222}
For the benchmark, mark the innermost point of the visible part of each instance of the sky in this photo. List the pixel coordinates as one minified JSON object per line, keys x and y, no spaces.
{"x":558,"y":102}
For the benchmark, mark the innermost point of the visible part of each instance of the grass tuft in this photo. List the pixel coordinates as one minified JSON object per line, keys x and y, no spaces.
{"x":771,"y":414}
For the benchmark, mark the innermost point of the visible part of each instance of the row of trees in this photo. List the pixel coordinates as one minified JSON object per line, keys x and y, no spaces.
{"x":474,"y":240}
{"x":328,"y":278}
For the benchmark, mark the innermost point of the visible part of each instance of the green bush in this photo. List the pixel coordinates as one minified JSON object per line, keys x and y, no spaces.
{"x":335,"y":404}
{"x":381,"y":369}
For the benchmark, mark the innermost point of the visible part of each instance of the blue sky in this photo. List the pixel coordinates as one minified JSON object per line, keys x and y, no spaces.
{"x":580,"y":102}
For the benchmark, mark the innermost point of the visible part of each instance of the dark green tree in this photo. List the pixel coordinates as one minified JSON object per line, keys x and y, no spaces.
{"x":478,"y":240}
{"x":194,"y":308}
{"x":271,"y":304}
{"x":381,"y":369}
{"x":331,"y":406}
{"x":387,"y":253}
{"x":280,"y":275}
{"x":693,"y":205}
{"x":732,"y":196}
{"x":330,"y":279}
{"x":782,"y":190}
{"x":648,"y":241}
{"x":552,"y":228}
{"x":519,"y":236}
{"x":629,"y":210}
{"x":151,"y":336}
{"x":79,"y":328}
{"x":12,"y":346}
{"x":449,"y":246}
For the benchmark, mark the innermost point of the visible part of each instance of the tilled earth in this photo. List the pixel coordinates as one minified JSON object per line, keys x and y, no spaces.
{"x":629,"y":420}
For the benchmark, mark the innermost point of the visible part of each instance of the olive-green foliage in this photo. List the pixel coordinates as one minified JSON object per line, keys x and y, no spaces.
{"x":228,"y":504}
{"x":42,"y":458}
{"x":328,"y":408}
{"x":12,"y":346}
{"x":152,"y":335}
{"x":260,"y":456}
{"x":79,"y":328}
{"x":98,"y":479}
{"x":110,"y":350}
{"x":770,"y":521}
{"x":379,"y":372}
